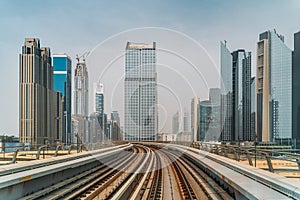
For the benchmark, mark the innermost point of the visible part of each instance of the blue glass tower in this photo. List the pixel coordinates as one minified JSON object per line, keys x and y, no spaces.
{"x":62,"y":66}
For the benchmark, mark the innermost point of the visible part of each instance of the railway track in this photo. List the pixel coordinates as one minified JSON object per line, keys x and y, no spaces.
{"x":143,"y":180}
{"x":83,"y":184}
{"x":141,"y":172}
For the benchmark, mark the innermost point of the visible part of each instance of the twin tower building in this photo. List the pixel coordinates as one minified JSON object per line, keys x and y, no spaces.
{"x":46,"y":115}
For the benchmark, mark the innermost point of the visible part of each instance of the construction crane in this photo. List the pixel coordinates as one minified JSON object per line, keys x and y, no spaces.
{"x":83,"y":56}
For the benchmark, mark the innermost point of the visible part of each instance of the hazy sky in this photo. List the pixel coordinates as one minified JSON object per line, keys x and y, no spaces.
{"x":74,"y":27}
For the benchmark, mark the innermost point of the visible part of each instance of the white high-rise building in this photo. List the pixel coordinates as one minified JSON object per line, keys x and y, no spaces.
{"x":81,"y":99}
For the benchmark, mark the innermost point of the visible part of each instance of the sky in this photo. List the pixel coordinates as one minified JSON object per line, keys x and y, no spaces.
{"x":188,"y":28}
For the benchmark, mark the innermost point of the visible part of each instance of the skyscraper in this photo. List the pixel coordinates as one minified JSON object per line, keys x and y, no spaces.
{"x":226,"y":115}
{"x":208,"y":121}
{"x":253,"y":108}
{"x":99,"y":99}
{"x":141,"y":120}
{"x":62,"y":65}
{"x":115,"y":126}
{"x":99,"y":105}
{"x":241,"y":94}
{"x":214,"y":98}
{"x":296,"y":88}
{"x":81,"y":98}
{"x":175,"y":123}
{"x":186,"y":122}
{"x":40,"y":106}
{"x":236,"y":95}
{"x":214,"y":95}
{"x":274,"y":87}
{"x":194,"y":119}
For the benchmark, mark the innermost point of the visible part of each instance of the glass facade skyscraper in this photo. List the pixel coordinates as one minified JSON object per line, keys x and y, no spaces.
{"x":296,"y":88}
{"x":99,"y":106}
{"x":194,"y":118}
{"x":241,"y":83}
{"x":208,"y":121}
{"x":99,"y":99}
{"x":141,"y":118}
{"x":253,"y":108}
{"x":226,"y":118}
{"x":235,"y":95}
{"x":274,"y":87}
{"x":62,"y":66}
{"x":175,"y":123}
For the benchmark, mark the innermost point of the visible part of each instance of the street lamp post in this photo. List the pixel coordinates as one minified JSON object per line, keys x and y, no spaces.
{"x":255,"y":143}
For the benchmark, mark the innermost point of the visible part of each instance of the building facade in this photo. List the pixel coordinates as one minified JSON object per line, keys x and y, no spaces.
{"x":115,"y":126}
{"x":186,"y":122}
{"x":296,"y":89}
{"x":226,"y":115}
{"x":99,"y":106}
{"x":235,"y":95}
{"x":274,"y":88}
{"x":175,"y":123}
{"x":241,"y":101}
{"x":253,"y":108}
{"x":208,"y":121}
{"x":40,"y":119}
{"x":62,"y":66}
{"x":141,"y":118}
{"x":81,"y":99}
{"x":214,"y":95}
{"x":194,"y":119}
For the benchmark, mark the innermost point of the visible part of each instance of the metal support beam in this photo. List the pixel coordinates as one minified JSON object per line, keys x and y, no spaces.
{"x":39,"y":151}
{"x":249,"y":157}
{"x":56,"y":150}
{"x":14,"y":160}
{"x":270,"y":165}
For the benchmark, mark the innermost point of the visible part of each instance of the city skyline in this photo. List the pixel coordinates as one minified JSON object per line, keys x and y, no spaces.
{"x":211,"y":32}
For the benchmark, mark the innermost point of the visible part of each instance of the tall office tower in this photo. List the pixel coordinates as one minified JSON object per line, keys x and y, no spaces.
{"x":241,"y":74}
{"x":99,"y":99}
{"x":236,"y":95}
{"x":215,"y":99}
{"x":253,"y":108}
{"x":226,"y":115}
{"x":62,"y":65}
{"x":274,"y":88}
{"x":194,"y":120}
{"x":115,"y":116}
{"x":141,"y":120}
{"x":106,"y":127}
{"x":38,"y":101}
{"x":214,"y":95}
{"x":99,"y":105}
{"x":81,"y":98}
{"x":115,"y":126}
{"x":175,"y":123}
{"x":296,"y":88}
{"x":208,"y":121}
{"x":95,"y":129}
{"x":186,"y":122}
